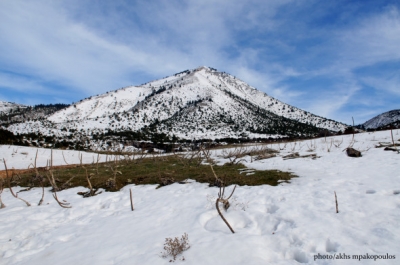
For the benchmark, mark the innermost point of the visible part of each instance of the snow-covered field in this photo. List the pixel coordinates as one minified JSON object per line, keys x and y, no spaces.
{"x":22,"y":157}
{"x":287,"y":224}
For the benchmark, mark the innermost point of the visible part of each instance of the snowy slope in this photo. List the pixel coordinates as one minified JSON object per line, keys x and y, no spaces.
{"x":201,"y":103}
{"x":191,"y":85}
{"x":7,"y":107}
{"x":383,"y":119}
{"x":292,"y":223}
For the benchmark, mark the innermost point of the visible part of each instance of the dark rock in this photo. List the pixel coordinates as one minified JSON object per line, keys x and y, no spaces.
{"x":353,"y":152}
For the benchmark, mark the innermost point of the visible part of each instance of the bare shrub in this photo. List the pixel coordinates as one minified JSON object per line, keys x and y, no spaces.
{"x":394,"y":145}
{"x":225,"y":203}
{"x":236,"y":203}
{"x":221,"y":199}
{"x":293,"y":147}
{"x":112,"y":182}
{"x":258,"y":153}
{"x":192,"y":157}
{"x":329,"y":148}
{"x":10,"y":179}
{"x":92,"y":191}
{"x":337,"y":143}
{"x":312,"y":147}
{"x":235,"y":155}
{"x":263,"y":153}
{"x":282,"y":148}
{"x":36,"y":177}
{"x":175,"y":247}
{"x":167,"y":181}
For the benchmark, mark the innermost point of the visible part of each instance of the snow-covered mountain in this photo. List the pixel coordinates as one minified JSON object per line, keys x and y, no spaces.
{"x":9,"y":107}
{"x":383,"y":119}
{"x":12,"y":113}
{"x":199,"y":103}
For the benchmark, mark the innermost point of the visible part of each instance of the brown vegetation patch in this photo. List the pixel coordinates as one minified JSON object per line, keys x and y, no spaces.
{"x":114,"y":175}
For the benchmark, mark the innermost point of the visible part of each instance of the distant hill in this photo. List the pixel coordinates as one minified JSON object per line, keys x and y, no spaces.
{"x":12,"y":112}
{"x":10,"y":107}
{"x":384,"y":119}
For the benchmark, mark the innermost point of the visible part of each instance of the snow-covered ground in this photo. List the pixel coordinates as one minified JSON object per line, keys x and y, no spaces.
{"x":22,"y":157}
{"x":287,"y":224}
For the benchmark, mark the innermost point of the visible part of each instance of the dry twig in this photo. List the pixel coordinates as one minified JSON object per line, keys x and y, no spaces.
{"x":91,"y":192}
{"x":62,"y":204}
{"x":338,"y":144}
{"x":9,"y":184}
{"x":225,"y":203}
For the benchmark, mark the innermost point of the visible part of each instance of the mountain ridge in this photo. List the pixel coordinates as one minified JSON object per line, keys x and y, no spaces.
{"x":190,"y":86}
{"x":201,"y":103}
{"x":7,"y":107}
{"x":383,"y":119}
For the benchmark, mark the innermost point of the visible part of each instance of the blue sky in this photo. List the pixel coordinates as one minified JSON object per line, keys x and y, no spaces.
{"x":338,"y":59}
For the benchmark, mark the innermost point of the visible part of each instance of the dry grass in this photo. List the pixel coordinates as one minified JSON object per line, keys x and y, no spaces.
{"x":114,"y":175}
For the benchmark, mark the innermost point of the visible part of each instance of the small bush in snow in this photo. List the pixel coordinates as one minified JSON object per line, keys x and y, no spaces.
{"x":175,"y":247}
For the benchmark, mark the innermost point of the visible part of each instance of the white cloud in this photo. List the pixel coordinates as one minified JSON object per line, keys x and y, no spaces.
{"x":376,"y":39}
{"x":43,"y":38}
{"x":387,"y":84}
{"x":330,"y":102}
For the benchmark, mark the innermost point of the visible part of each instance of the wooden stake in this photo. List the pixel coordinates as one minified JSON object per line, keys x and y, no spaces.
{"x":391,"y":132}
{"x":337,"y":207}
{"x":130,"y":191}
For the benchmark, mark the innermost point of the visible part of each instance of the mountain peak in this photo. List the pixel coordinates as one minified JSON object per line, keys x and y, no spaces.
{"x":205,"y":68}
{"x":201,"y":103}
{"x":201,"y":68}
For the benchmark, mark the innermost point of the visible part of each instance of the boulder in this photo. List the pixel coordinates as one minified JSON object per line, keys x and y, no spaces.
{"x":353,"y":152}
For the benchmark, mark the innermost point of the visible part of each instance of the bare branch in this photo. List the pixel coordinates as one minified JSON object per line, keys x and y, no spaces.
{"x":62,"y":204}
{"x":9,"y":184}
{"x":312,"y":147}
{"x":329,"y":148}
{"x":232,"y":193}
{"x":338,"y":145}
{"x":223,"y":218}
{"x":36,"y":157}
{"x":395,"y":148}
{"x":50,"y":177}
{"x":64,"y":158}
{"x":225,"y":202}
